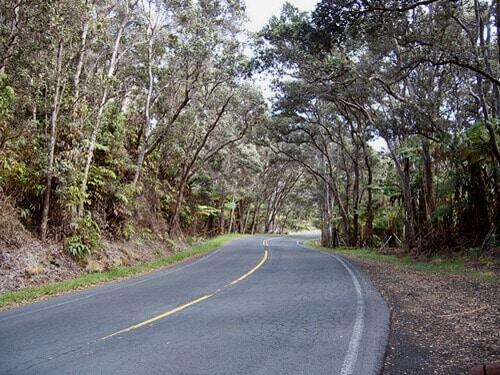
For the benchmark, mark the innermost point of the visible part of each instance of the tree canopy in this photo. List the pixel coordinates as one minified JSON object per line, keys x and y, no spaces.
{"x":118,"y":115}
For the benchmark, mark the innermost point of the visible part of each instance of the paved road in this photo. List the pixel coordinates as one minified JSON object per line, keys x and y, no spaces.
{"x":239,"y":310}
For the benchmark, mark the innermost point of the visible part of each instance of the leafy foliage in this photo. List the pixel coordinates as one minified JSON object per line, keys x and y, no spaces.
{"x":119,"y":118}
{"x":420,"y":78}
{"x":85,"y":238}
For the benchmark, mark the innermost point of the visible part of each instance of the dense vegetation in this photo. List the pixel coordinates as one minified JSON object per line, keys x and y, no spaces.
{"x":118,"y":116}
{"x":421,"y":75}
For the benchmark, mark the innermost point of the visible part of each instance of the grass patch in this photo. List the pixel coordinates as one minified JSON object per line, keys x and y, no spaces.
{"x":451,"y":266}
{"x":34,"y":293}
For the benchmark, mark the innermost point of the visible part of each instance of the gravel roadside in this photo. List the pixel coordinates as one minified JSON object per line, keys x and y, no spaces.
{"x":440,"y":324}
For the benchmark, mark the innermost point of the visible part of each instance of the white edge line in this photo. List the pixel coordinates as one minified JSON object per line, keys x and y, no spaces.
{"x":357,"y":330}
{"x":350,"y":358}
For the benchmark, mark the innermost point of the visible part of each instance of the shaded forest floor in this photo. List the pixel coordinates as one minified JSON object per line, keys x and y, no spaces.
{"x":441,"y":323}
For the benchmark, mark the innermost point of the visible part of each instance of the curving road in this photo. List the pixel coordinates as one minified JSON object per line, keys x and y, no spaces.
{"x":246,"y":309}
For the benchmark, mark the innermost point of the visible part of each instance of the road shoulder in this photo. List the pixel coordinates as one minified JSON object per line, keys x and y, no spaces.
{"x":440,"y":323}
{"x":11,"y":299}
{"x":376,"y":319}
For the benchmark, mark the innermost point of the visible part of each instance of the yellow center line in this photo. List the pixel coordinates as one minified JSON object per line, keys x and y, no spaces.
{"x":161,"y":316}
{"x":193,"y":302}
{"x":241,"y":278}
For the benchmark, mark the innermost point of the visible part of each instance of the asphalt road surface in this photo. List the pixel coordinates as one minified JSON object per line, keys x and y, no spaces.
{"x":255,"y":306}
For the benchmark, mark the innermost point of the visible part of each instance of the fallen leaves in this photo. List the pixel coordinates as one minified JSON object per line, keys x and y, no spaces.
{"x":440,"y":324}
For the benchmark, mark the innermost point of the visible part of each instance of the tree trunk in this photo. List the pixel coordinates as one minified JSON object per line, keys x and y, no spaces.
{"x":495,"y":85}
{"x":12,"y":38}
{"x":175,"y":228}
{"x":328,"y":232}
{"x":138,"y":167}
{"x":90,"y":152}
{"x":404,"y":178}
{"x":428,"y":174}
{"x":231,"y":216}
{"x":100,"y":112}
{"x":222,"y":201}
{"x":368,"y":230}
{"x":480,"y":85}
{"x":355,"y":216}
{"x":269,"y":213}
{"x":147,"y":114}
{"x":478,"y":218}
{"x":283,"y":223}
{"x":497,"y":19}
{"x":409,"y":207}
{"x":255,"y":219}
{"x":52,"y":144}
{"x":79,"y":64}
{"x":245,"y":222}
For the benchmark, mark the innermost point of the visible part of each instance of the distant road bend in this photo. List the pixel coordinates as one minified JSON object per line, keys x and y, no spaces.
{"x":256,"y":306}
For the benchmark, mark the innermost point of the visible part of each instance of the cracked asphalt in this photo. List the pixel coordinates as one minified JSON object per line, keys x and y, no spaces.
{"x":296,"y":314}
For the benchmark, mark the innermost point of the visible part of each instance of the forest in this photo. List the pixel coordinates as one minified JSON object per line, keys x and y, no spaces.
{"x":124,"y":116}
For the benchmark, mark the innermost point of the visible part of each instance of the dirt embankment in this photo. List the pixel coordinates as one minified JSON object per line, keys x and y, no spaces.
{"x":34,"y":264}
{"x":25,"y":262}
{"x":440,"y":324}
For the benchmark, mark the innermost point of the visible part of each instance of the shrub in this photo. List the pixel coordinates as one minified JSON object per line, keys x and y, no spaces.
{"x":12,"y":232}
{"x":74,"y":246}
{"x":85,"y":239}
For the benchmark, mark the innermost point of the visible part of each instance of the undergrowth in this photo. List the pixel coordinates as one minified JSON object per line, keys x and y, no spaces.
{"x":456,"y":265}
{"x":34,"y":293}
